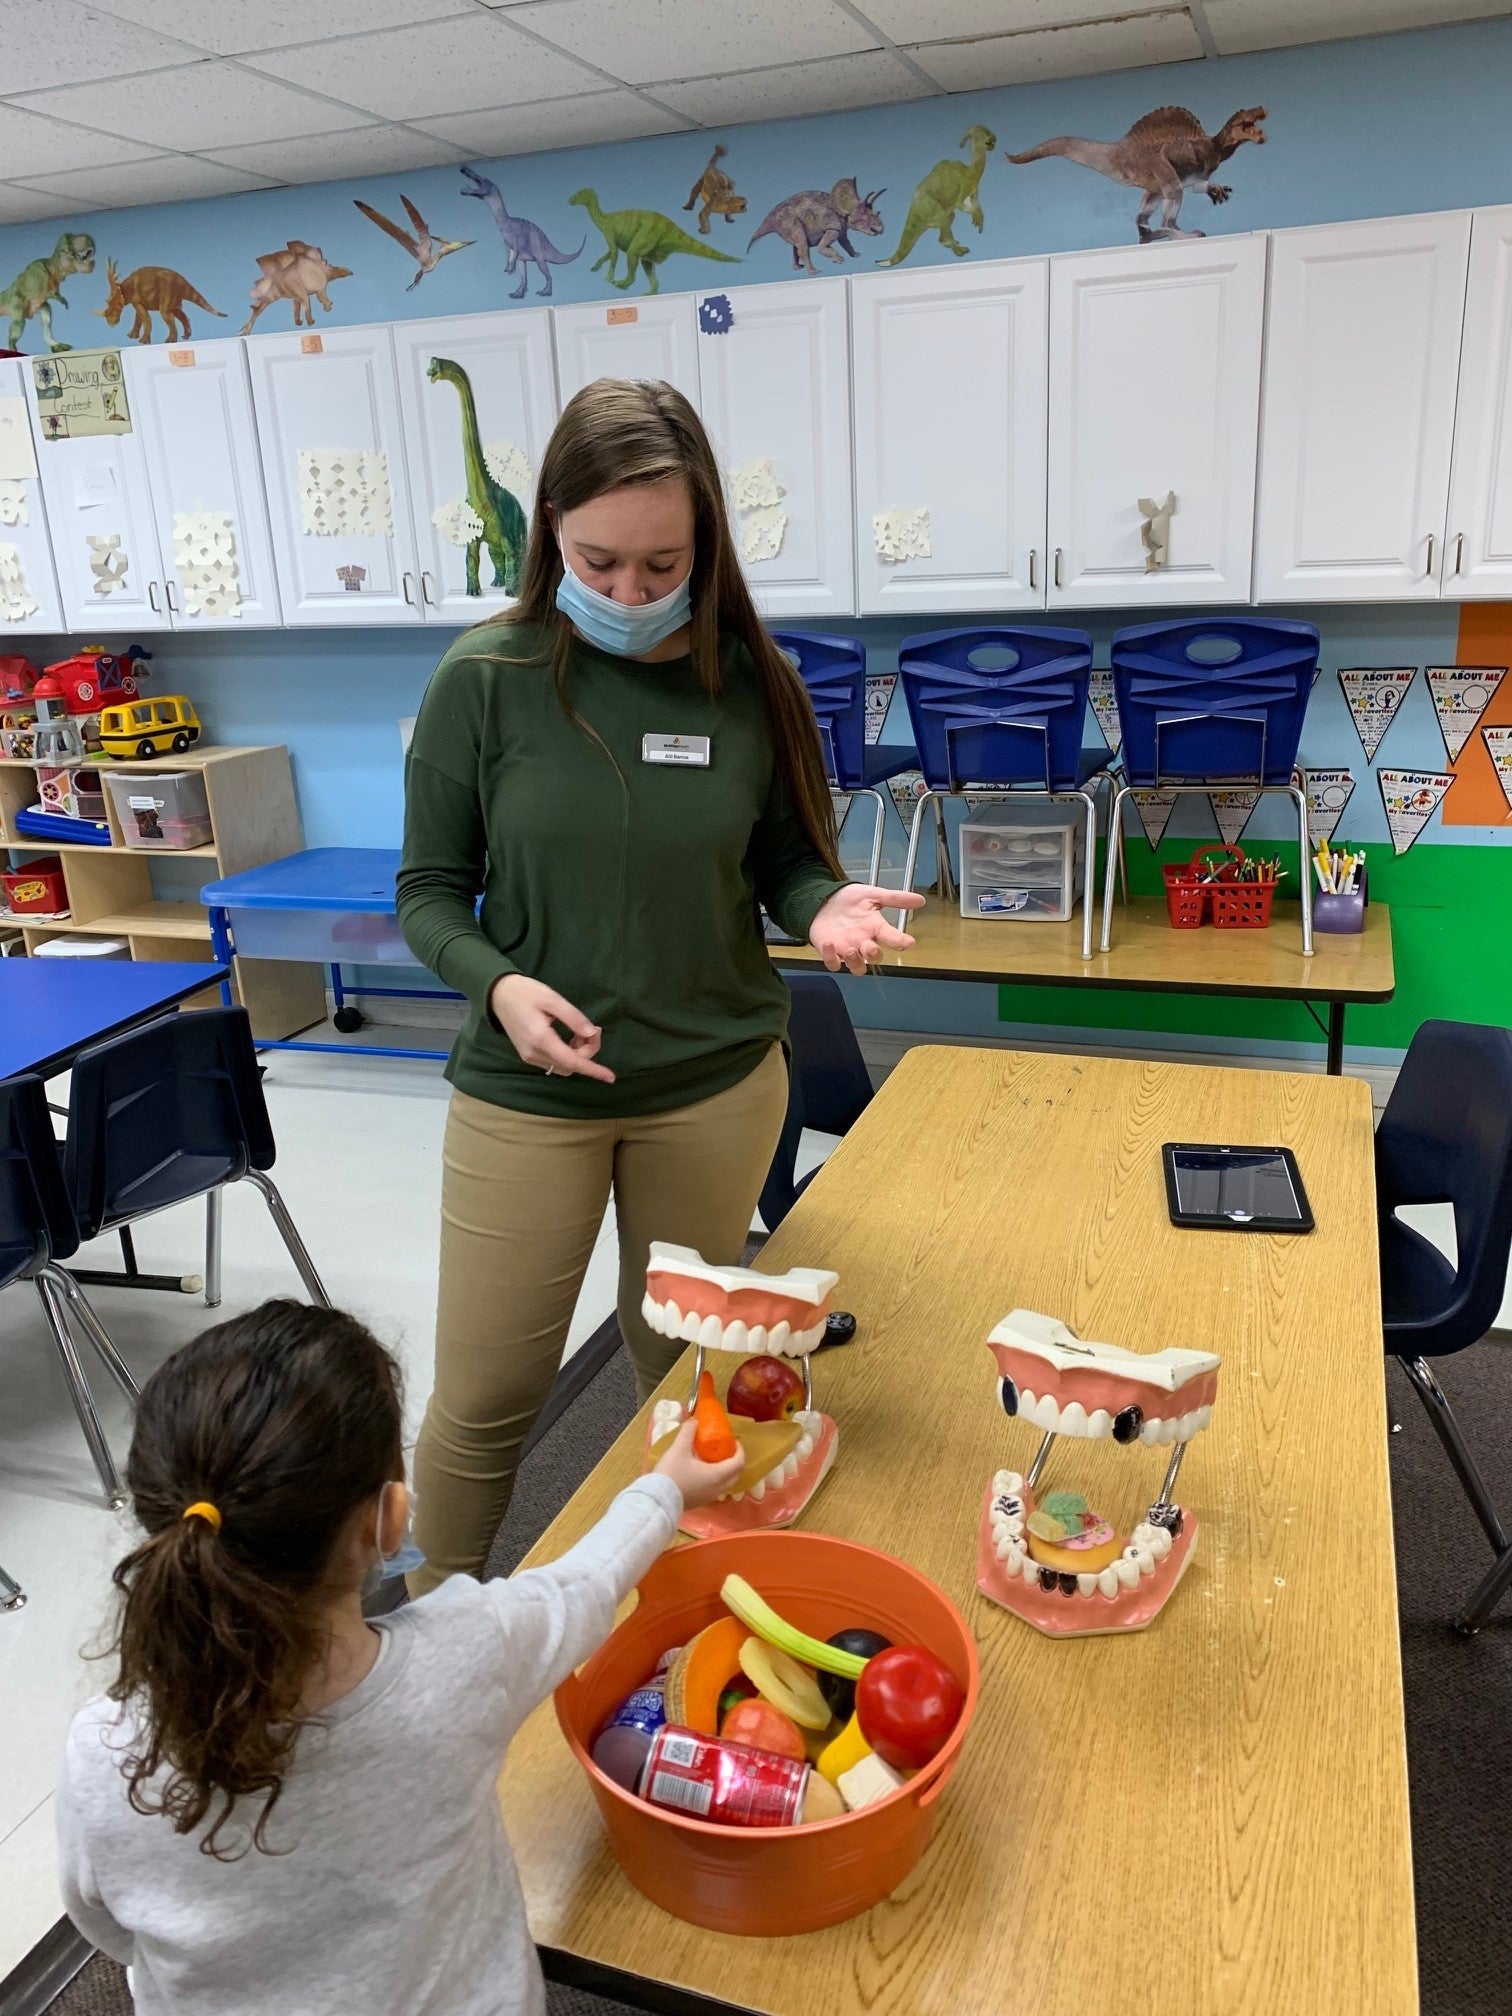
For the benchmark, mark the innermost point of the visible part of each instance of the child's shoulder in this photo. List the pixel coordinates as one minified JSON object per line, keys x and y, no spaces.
{"x":98,"y":1736}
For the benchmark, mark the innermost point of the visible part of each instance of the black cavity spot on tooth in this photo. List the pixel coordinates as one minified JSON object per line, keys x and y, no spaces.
{"x":1168,"y":1516}
{"x":1008,"y":1394}
{"x":1127,"y":1424}
{"x":1067,"y":1584}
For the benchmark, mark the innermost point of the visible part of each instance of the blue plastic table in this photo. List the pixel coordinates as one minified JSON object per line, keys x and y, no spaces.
{"x":331,"y":905}
{"x":51,"y":1009}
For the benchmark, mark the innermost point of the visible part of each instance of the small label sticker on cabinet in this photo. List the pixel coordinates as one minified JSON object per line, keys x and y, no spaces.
{"x":310,"y":346}
{"x":614,"y":316}
{"x":181,"y":360}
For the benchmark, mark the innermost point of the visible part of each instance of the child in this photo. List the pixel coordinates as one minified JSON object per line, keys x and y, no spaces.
{"x":282,"y":1808}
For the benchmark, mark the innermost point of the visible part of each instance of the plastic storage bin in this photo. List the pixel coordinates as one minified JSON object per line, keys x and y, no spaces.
{"x":83,"y":948}
{"x":328,"y":904}
{"x":164,"y":811}
{"x":766,"y":1881}
{"x":36,"y":889}
{"x":1023,"y":860}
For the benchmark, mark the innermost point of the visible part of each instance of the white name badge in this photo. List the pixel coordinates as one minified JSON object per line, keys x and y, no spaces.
{"x":692,"y":750}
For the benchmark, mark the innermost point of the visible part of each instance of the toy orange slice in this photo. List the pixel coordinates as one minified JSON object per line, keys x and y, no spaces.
{"x":1074,"y":1560}
{"x":701,"y":1672}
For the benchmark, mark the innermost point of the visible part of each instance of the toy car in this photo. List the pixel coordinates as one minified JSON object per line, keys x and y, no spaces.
{"x":149,"y":727}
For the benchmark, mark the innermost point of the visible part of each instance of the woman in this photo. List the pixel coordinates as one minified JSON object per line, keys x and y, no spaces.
{"x":625,"y":766}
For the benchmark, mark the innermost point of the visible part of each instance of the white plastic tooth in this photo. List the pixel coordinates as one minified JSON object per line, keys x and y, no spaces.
{"x":1008,"y":1481}
{"x":734,"y":1497}
{"x":650,"y":1314}
{"x":1144,"y":1559}
{"x":1169,"y":1424}
{"x":1013,"y":1561}
{"x":779,"y":1338}
{"x":710,"y":1331}
{"x":1160,"y":1544}
{"x":1086,"y":1583}
{"x":756,"y":1337}
{"x":671,"y":1323}
{"x":734,"y":1336}
{"x":758,"y":1489}
{"x":1073,"y":1418}
{"x":1149,"y":1434}
{"x":692,"y":1323}
{"x":1099,"y":1423}
{"x":805,"y":1448}
{"x":1031,"y":1573}
{"x":1204,"y":1416}
{"x":1003,"y":1545}
{"x":811,"y":1421}
{"x":1048,"y":1414}
{"x":1127,"y":1571}
{"x":1001,"y":1488}
{"x":1107,"y":1581}
{"x":1027,"y":1405}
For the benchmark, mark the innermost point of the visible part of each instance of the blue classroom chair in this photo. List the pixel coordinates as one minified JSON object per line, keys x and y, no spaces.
{"x":1213,"y":703}
{"x":829,"y":1087}
{"x":1446,"y":1138}
{"x":998,"y":709}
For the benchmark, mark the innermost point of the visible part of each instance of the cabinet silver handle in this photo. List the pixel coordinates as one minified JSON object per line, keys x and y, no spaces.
{"x":173,"y":607}
{"x":152,"y":601}
{"x":1057,"y":566}
{"x":1429,"y":568}
{"x":1459,"y":552}
{"x":1033,"y":567}
{"x":408,"y":586}
{"x":425,"y":589}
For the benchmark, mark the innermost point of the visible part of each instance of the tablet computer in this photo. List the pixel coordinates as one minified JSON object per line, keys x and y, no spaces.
{"x":1233,"y":1189}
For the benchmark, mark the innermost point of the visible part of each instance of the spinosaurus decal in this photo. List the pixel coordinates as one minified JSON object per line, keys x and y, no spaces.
{"x":817,"y":220}
{"x":949,"y":186}
{"x":497,"y":520}
{"x":715,"y":191}
{"x":422,"y":245}
{"x":1164,"y":154}
{"x":525,"y":244}
{"x":645,"y":237}
{"x":37,"y":286}
{"x":299,"y":273}
{"x":150,"y":290}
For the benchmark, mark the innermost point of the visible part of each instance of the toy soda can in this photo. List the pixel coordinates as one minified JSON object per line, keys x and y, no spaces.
{"x":728,"y":1784}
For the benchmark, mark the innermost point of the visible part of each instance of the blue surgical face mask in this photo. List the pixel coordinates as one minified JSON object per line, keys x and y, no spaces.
{"x":626,"y":629}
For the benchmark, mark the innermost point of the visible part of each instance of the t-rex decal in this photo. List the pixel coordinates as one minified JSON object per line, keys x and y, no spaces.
{"x":816,"y":221}
{"x":421,"y":243}
{"x":525,"y":244}
{"x":715,"y":191}
{"x":149,"y":290}
{"x":296,"y":274}
{"x":37,"y":286}
{"x":502,"y":526}
{"x":645,"y":237}
{"x":949,"y":186}
{"x":1164,"y":154}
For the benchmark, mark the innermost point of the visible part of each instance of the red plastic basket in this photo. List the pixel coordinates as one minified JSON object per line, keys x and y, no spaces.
{"x":1242,"y":906}
{"x":1189,"y":885}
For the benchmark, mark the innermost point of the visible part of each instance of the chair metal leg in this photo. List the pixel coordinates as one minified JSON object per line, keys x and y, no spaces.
{"x":1448,"y":1431}
{"x":876,"y":851}
{"x":81,"y":1306}
{"x":1115,"y":831}
{"x":944,"y":873}
{"x":1089,"y":872}
{"x":288,"y":1232}
{"x":1299,"y":798}
{"x":214,"y":1201}
{"x":12,"y":1595}
{"x":1485,"y":1596}
{"x":55,"y":1307}
{"x":915,"y":833}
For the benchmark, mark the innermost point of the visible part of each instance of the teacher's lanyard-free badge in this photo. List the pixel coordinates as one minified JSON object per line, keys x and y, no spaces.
{"x":685,"y":751}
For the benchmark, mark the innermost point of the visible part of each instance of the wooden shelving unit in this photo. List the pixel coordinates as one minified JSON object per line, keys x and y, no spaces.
{"x":253,"y":818}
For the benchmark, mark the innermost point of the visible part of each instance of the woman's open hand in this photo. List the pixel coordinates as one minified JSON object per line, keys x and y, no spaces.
{"x":528,"y":1012}
{"x":851,"y":931}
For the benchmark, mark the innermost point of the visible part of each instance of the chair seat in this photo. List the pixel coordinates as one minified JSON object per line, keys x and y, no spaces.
{"x":1088,"y":764}
{"x":884,"y":760}
{"x":1418,"y":1285}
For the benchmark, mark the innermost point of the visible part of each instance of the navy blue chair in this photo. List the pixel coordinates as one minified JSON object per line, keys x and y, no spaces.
{"x":38,"y":1231}
{"x":171,"y":1112}
{"x":1446,"y":1138}
{"x":829,"y":1087}
{"x":1213,"y":703}
{"x":1002,"y":710}
{"x":834,"y":671}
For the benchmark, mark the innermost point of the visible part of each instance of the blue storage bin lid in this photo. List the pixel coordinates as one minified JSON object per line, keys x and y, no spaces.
{"x":321,"y":878}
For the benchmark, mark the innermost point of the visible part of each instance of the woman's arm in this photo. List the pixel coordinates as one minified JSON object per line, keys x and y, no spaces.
{"x":792,"y":883}
{"x":440,"y":877}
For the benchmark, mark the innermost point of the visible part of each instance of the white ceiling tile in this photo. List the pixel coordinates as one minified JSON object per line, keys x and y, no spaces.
{"x":371,"y":150}
{"x":23,"y":206}
{"x":208,"y":105}
{"x":232,"y":27}
{"x":464,"y":65}
{"x":639,"y":40}
{"x":910,"y":21}
{"x":1240,"y":25}
{"x":40,"y":43}
{"x":1059,"y":52}
{"x":41,"y":146}
{"x":874,"y":78}
{"x":555,"y":122}
{"x":171,"y":178}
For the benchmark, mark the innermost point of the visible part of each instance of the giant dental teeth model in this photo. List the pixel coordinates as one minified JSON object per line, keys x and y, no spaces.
{"x":779,"y":1319}
{"x":1049,"y":1557}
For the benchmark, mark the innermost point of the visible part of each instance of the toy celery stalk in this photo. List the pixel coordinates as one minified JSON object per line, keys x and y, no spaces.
{"x":758,"y":1615}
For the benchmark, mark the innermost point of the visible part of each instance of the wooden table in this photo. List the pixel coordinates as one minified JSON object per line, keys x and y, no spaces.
{"x":1205,"y":1819}
{"x":1147,"y":956}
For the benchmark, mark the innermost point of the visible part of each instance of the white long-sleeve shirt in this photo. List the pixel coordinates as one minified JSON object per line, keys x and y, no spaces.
{"x":397,"y":1894}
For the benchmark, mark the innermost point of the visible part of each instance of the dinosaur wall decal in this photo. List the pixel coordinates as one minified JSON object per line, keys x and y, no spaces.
{"x":37,"y":286}
{"x":814,"y":220}
{"x":645,"y":237}
{"x":949,"y":186}
{"x":715,"y":191}
{"x":1164,"y":154}
{"x":421,"y":243}
{"x":501,"y":521}
{"x":152,"y":290}
{"x":299,"y":273}
{"x":525,"y":244}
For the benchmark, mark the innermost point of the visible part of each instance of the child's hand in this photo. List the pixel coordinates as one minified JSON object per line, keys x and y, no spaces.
{"x":699,"y":1483}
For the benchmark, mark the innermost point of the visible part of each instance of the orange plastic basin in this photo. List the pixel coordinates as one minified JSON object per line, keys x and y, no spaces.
{"x":768,"y":1881}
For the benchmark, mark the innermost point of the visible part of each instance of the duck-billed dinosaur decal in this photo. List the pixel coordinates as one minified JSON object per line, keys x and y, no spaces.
{"x":525,"y":244}
{"x":949,"y":186}
{"x":1164,"y":154}
{"x":816,"y":220}
{"x":497,"y":521}
{"x":645,"y":237}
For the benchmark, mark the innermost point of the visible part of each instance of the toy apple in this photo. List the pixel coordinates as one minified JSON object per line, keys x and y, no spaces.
{"x":907,"y":1702}
{"x":765,"y":1389}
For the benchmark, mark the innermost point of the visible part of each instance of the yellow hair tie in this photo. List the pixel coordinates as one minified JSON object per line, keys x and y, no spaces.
{"x":203,"y":1509}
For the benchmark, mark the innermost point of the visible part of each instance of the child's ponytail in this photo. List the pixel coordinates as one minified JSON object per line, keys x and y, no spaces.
{"x":254,"y":1446}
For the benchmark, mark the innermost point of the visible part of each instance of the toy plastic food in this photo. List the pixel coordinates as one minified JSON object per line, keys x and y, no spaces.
{"x":867,"y":1782}
{"x":762,"y":1727}
{"x":821,"y":1801}
{"x":624,"y":1742}
{"x":840,"y":1693}
{"x":784,"y":1683}
{"x":847,"y":1750}
{"x":758,"y":1615}
{"x":788,"y":1446}
{"x":713,"y":1437}
{"x":1052,"y":1558}
{"x":907,"y":1703}
{"x":701,"y":1672}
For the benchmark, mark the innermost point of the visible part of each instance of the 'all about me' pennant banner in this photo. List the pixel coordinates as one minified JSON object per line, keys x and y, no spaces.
{"x":1154,"y":813}
{"x":1232,"y":810}
{"x":1461,"y":695}
{"x":1498,"y":743}
{"x":1411,"y":797}
{"x":1104,"y":708}
{"x":1328,"y":792}
{"x":1374,"y":694}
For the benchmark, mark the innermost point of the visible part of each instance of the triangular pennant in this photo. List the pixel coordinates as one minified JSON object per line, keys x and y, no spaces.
{"x":1104,"y":707}
{"x":879,"y":693}
{"x":1498,"y":743}
{"x":1374,"y":694}
{"x":1411,"y":797}
{"x":1461,"y":695}
{"x":1155,"y":813}
{"x":1232,"y":810}
{"x":1328,"y":792}
{"x":842,"y":804}
{"x":905,"y":792}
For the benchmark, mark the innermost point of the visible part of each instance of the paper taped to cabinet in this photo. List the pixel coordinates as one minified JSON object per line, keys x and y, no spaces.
{"x":204,"y":553}
{"x":754,"y":484}
{"x":761,"y":533}
{"x":344,"y":493}
{"x":108,"y":564}
{"x":16,"y":601}
{"x":14,"y":508}
{"x":902,"y":535}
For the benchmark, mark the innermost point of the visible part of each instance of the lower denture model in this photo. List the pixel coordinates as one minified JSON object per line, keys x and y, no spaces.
{"x":771,"y":1323}
{"x":1051,"y":1559}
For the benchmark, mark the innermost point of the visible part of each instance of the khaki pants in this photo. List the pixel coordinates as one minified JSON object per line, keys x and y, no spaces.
{"x":522,"y":1201}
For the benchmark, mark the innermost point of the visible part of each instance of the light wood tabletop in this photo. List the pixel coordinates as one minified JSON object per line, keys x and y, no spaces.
{"x":1208,"y":1818}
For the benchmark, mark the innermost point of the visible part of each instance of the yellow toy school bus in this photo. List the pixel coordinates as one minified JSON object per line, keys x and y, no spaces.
{"x":149,"y":727}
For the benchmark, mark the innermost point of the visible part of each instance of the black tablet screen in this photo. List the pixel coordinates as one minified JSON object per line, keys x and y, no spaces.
{"x":1238,"y":1184}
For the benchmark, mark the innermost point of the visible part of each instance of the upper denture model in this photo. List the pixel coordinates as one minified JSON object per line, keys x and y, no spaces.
{"x":1055,"y":1381}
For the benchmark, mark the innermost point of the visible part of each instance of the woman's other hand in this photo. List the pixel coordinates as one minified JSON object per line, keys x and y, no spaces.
{"x":851,"y":931}
{"x":528,"y":1012}
{"x":699,"y":1483}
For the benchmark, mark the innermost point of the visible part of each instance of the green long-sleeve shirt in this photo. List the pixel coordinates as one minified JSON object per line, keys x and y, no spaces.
{"x":630,"y":887}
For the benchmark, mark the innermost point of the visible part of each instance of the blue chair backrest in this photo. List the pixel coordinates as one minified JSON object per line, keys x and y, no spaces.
{"x":36,"y":1223}
{"x":829,"y":1086}
{"x":1446,"y":1138}
{"x":834,"y":671}
{"x":997,"y":706}
{"x":1213,"y":697}
{"x":164,"y":1114}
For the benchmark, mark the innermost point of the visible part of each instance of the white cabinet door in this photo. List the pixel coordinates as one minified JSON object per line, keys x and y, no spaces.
{"x":333,"y":460}
{"x":474,"y":434}
{"x":1357,"y":409}
{"x":28,"y":586}
{"x":948,"y":376}
{"x":1478,"y":553}
{"x":776,"y":388}
{"x":655,"y":338}
{"x":1154,"y":391}
{"x":192,"y":404}
{"x":96,"y":491}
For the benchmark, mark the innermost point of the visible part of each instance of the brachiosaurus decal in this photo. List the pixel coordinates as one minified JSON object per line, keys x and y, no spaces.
{"x":502,"y":522}
{"x":1164,"y":154}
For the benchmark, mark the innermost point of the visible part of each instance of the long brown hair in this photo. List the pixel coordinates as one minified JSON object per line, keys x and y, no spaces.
{"x":286,"y":1421}
{"x":622,"y":431}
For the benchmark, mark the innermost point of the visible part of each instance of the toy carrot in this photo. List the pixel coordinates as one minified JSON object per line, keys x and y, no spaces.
{"x":713,"y":1438}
